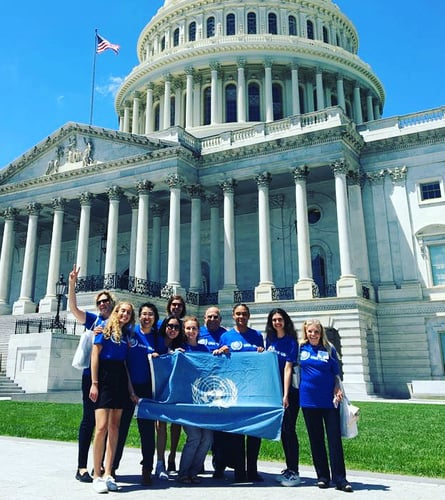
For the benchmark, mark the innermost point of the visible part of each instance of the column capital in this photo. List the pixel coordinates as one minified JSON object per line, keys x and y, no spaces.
{"x":196,"y":191}
{"x":214,"y":200}
{"x":241,"y":62}
{"x":268,"y":62}
{"x":134,"y":202}
{"x":144,"y":187}
{"x":295,"y":65}
{"x":10,"y":213}
{"x":300,"y":173}
{"x":376,"y":177}
{"x":189,"y":71}
{"x":339,"y":167}
{"x":214,"y":65}
{"x":264,"y":179}
{"x":398,"y":175}
{"x":355,"y":178}
{"x":58,"y":203}
{"x":174,"y":181}
{"x":86,"y":198}
{"x":114,"y":193}
{"x":137,"y":94}
{"x":33,"y":208}
{"x":150,"y":86}
{"x":228,"y":185}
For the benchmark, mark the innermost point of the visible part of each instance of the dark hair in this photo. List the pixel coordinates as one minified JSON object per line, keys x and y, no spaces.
{"x":177,"y":341}
{"x":241,"y":305}
{"x":169,"y":303}
{"x":151,"y":306}
{"x":289,"y":327}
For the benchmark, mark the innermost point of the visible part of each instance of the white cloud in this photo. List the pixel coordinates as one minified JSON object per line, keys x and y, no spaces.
{"x":111,"y":87}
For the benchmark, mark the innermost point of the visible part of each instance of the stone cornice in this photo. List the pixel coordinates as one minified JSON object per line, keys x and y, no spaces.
{"x":408,"y":141}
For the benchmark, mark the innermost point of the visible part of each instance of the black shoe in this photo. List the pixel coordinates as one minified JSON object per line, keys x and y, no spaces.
{"x":84,"y":477}
{"x":345,"y":487}
{"x":240,"y":477}
{"x":322,"y":484}
{"x":171,"y":466}
{"x":146,"y":477}
{"x":255,"y":478}
{"x":218,"y":474}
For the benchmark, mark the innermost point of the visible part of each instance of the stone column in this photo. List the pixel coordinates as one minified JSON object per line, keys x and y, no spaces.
{"x":149,"y":112}
{"x":348,"y":285}
{"x":144,"y":189}
{"x":196,"y":192}
{"x":320,"y":89}
{"x":6,"y":255}
{"x":358,"y":116}
{"x":303,"y":289}
{"x":136,"y":106}
{"x":226,"y":294}
{"x":263,"y":292}
{"x":296,"y":110}
{"x":369,"y":107}
{"x":49,"y":302}
{"x":126,"y":117}
{"x":241,"y":92}
{"x":84,"y":233}
{"x":197,"y":100}
{"x":167,"y":101}
{"x":25,"y":305}
{"x":179,"y":118}
{"x":114,"y":195}
{"x":175,"y":183}
{"x":214,"y":66}
{"x":268,"y":90}
{"x":215,"y":267}
{"x":341,"y":92}
{"x":156,"y":244}
{"x":134,"y":237}
{"x":189,"y":98}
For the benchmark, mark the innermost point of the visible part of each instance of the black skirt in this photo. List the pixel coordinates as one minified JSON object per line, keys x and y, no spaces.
{"x":113,"y":384}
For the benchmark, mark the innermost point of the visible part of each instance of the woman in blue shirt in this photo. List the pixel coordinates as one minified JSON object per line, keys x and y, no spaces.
{"x":318,"y":390}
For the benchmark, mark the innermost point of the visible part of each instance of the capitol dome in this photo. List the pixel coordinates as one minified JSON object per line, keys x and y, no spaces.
{"x":208,"y":66}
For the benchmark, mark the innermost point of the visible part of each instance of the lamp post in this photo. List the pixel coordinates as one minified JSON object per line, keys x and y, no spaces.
{"x":60,"y":291}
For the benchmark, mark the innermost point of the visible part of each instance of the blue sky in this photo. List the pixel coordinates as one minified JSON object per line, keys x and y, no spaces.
{"x":48,"y":48}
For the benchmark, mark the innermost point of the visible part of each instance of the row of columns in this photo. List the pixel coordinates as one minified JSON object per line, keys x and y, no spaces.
{"x":348,"y":284}
{"x":133,"y":112}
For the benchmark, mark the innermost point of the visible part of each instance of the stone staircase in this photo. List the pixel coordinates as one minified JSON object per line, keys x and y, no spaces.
{"x":8,"y":387}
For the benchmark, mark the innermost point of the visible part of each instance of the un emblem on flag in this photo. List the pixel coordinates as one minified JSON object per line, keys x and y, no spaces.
{"x":214,"y":391}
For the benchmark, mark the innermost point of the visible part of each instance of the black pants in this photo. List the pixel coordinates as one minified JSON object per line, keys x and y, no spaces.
{"x":87,"y":424}
{"x":236,"y":451}
{"x":289,"y":438}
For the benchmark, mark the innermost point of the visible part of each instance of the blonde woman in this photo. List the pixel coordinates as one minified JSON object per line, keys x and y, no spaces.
{"x":110,"y":386}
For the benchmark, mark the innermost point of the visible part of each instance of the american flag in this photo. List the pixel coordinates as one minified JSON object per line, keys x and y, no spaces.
{"x":103,"y":45}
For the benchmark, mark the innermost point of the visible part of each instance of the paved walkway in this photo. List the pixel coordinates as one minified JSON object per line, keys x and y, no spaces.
{"x":44,"y":470}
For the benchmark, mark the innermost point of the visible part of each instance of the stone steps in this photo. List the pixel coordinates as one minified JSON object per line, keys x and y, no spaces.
{"x":8,"y":387}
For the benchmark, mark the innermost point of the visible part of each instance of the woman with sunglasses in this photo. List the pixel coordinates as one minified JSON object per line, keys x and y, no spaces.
{"x":171,"y":333}
{"x":91,"y":321}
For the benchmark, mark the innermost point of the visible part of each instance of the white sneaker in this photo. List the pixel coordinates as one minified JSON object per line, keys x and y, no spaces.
{"x":290,"y":478}
{"x":99,"y":485}
{"x":161,"y":473}
{"x":111,"y":483}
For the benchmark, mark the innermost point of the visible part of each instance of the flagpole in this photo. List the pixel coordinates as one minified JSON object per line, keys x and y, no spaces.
{"x":93,"y":78}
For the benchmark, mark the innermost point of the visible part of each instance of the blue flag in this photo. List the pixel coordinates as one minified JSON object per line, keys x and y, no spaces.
{"x":239,"y":393}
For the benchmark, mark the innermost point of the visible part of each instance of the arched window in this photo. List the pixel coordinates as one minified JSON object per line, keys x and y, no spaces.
{"x":302,"y":100}
{"x":172,"y":111}
{"x":207,"y":105}
{"x":310,"y":29}
{"x":230,"y":24}
{"x":292,"y":26}
{"x":272,"y":24}
{"x":254,"y":102}
{"x":277,"y":101}
{"x":338,"y":40}
{"x":230,"y":93}
{"x":210,"y":27}
{"x":192,"y":31}
{"x":156,"y":117}
{"x":325,"y":35}
{"x":176,"y":37}
{"x":251,"y":23}
{"x":163,"y":43}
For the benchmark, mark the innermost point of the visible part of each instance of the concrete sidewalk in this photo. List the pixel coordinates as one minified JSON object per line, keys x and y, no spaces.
{"x":44,"y":470}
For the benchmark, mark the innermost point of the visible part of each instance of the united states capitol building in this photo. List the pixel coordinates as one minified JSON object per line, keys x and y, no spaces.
{"x":252,"y":164}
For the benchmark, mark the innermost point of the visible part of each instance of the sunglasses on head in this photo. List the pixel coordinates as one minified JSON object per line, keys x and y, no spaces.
{"x":102,"y":301}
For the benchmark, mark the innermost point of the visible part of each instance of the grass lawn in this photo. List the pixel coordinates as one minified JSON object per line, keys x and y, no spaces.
{"x":397,"y":438}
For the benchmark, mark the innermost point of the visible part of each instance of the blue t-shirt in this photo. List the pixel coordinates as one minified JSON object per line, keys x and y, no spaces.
{"x":286,"y":348}
{"x":112,"y":350}
{"x":318,"y":370}
{"x":210,"y":339}
{"x":196,"y":348}
{"x":140,"y":344}
{"x":250,"y":340}
{"x":91,"y":321}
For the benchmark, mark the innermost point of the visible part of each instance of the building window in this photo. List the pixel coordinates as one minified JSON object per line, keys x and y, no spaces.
{"x":313,"y":215}
{"x":163,"y":43}
{"x":310,"y":30}
{"x":254,"y":102}
{"x":430,"y":190}
{"x":207,"y":105}
{"x":277,"y":100}
{"x":292,"y":26}
{"x":230,"y":24}
{"x":210,"y":27}
{"x":176,"y":37}
{"x":325,"y":35}
{"x":442,"y":345}
{"x":272,"y":18}
{"x":437,"y":263}
{"x":231,"y":103}
{"x":172,"y":111}
{"x":192,"y":31}
{"x":251,"y":23}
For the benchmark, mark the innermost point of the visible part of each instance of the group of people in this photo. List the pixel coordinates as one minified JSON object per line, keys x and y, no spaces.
{"x":119,"y":375}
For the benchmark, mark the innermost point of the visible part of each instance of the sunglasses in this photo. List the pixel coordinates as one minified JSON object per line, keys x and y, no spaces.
{"x":102,"y":301}
{"x":173,"y":326}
